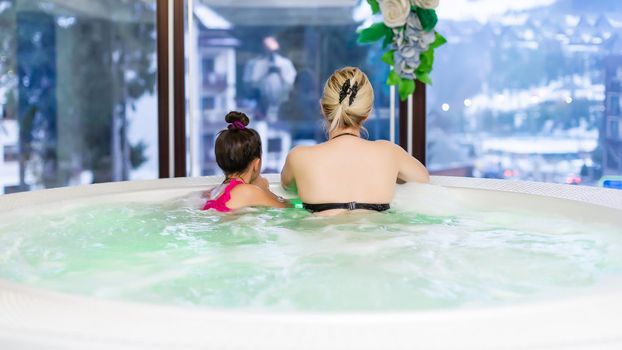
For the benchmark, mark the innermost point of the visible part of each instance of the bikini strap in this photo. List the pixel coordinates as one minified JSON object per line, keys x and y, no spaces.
{"x":233,"y":183}
{"x":220,"y":203}
{"x":314,"y":208}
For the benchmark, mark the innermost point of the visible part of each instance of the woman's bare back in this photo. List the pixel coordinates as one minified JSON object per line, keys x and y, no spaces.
{"x":345,"y":169}
{"x":350,"y":169}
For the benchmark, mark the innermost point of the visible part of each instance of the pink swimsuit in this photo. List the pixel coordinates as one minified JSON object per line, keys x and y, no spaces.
{"x":220,"y":203}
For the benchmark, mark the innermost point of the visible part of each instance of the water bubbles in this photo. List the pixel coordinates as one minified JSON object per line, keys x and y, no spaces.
{"x":173,"y":253}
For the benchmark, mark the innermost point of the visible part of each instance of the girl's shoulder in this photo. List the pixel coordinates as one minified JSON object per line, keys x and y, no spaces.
{"x":249,"y":195}
{"x":245,"y":190}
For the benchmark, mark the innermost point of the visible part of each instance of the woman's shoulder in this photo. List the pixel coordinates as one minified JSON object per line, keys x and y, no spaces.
{"x":384,"y":143}
{"x":299,"y":151}
{"x":303,"y":151}
{"x":387,"y":145}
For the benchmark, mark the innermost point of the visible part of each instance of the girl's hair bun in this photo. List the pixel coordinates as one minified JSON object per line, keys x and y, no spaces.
{"x":234,"y":116}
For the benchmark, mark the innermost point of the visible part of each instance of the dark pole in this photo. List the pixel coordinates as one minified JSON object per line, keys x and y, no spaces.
{"x":403,"y":124}
{"x":163,"y":87}
{"x":419,"y":123}
{"x":180,"y":88}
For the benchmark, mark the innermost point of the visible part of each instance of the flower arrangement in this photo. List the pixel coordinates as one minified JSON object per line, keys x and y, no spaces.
{"x":407,"y":30}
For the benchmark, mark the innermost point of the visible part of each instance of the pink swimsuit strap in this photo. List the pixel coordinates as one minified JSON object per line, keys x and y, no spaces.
{"x":220,"y":203}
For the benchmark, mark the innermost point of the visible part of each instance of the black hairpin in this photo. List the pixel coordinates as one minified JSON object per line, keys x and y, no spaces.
{"x":354,"y":91}
{"x":345,"y":90}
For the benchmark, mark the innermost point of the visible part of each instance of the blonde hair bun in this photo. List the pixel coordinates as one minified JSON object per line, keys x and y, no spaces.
{"x":348,"y":99}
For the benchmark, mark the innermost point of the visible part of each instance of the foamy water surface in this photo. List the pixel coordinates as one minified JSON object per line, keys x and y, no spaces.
{"x":171,"y":252}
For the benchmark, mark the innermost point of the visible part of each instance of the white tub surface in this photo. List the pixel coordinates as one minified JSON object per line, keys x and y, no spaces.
{"x":40,"y":319}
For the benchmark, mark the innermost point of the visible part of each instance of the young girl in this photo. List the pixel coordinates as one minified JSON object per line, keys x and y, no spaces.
{"x":238,"y":154}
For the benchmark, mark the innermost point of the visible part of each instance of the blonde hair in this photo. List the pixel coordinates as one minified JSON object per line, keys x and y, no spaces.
{"x":344,"y":111}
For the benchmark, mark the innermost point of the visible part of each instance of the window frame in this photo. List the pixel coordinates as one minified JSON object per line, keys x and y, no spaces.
{"x":171,"y":23}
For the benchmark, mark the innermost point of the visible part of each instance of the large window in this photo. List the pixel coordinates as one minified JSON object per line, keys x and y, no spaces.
{"x":77,"y":92}
{"x":528,"y":90}
{"x":270,"y":60}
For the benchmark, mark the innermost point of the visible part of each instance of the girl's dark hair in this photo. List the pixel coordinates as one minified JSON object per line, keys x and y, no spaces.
{"x":237,"y":147}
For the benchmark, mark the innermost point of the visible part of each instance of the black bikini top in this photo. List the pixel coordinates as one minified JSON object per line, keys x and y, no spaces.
{"x":315,"y":208}
{"x":346,"y":134}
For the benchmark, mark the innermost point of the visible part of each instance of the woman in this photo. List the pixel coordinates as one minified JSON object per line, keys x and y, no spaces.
{"x":348,"y":172}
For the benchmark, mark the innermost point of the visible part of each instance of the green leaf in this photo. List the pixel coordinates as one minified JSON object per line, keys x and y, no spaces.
{"x":388,"y":39}
{"x":375,"y":7}
{"x":388,"y":57}
{"x":427,"y":62}
{"x":438,"y":41}
{"x":374,"y":33}
{"x":428,"y":18}
{"x":424,"y":78}
{"x":406,"y":88}
{"x":393,"y":79}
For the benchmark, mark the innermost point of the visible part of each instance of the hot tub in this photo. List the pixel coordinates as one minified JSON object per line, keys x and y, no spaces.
{"x":33,"y":316}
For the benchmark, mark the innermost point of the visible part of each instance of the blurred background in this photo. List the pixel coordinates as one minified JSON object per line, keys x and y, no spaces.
{"x":525,"y":90}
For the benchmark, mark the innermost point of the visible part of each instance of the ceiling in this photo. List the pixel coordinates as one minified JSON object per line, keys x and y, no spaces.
{"x":280,"y":3}
{"x":116,"y":10}
{"x":236,"y":12}
{"x":284,"y":12}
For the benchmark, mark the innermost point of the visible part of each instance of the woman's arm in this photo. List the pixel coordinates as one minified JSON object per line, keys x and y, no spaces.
{"x":288,"y":181}
{"x":409,"y":168}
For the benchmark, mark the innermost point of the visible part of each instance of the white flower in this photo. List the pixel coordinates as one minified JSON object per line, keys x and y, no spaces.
{"x":405,"y":66}
{"x":395,"y":12}
{"x":426,"y":4}
{"x":413,"y":34}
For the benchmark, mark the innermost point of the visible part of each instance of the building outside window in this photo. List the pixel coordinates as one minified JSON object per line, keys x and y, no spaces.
{"x":270,"y":60}
{"x":77,"y":92}
{"x":528,"y":91}
{"x":523,"y":90}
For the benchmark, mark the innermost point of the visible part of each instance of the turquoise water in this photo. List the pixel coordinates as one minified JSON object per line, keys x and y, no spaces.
{"x":288,"y":260}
